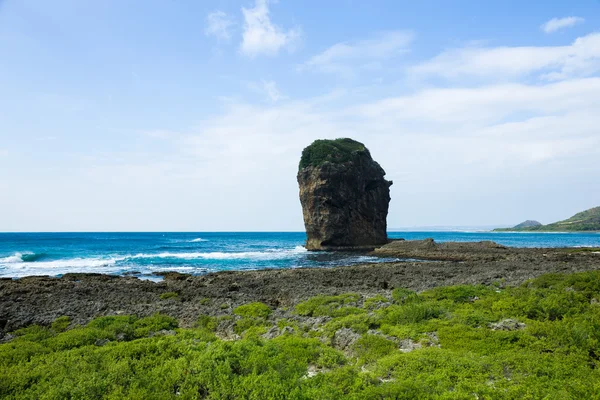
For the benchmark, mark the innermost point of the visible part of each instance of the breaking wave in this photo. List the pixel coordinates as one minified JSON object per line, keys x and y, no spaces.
{"x":273,"y":254}
{"x":197,"y":240}
{"x":22,"y":257}
{"x":67,"y":263}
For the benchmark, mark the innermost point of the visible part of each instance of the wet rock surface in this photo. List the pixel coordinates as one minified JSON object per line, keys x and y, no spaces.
{"x":82,"y":297}
{"x":344,"y":196}
{"x":428,"y":249}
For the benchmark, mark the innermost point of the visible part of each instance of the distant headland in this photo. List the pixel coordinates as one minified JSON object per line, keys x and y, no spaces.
{"x":585,"y":221}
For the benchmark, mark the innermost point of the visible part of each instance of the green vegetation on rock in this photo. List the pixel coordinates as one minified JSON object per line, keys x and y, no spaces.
{"x":336,"y":151}
{"x":253,"y":310}
{"x":169,"y":295}
{"x":538,"y":340}
{"x":588,"y":220}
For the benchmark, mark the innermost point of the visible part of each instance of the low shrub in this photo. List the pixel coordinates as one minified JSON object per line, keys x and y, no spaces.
{"x":207,"y":322}
{"x":332,"y":306}
{"x":253,"y":310}
{"x":169,"y":295}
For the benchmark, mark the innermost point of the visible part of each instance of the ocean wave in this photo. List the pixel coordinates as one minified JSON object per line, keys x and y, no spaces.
{"x":67,"y":263}
{"x":197,"y":240}
{"x":15,"y":258}
{"x":22,"y":257}
{"x":59,"y":267}
{"x":270,"y":254}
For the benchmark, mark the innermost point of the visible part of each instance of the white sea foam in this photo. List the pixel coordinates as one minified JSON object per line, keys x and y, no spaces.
{"x":70,"y":263}
{"x":198,"y":240}
{"x":272,"y":254}
{"x":15,"y":258}
{"x":57,"y":267}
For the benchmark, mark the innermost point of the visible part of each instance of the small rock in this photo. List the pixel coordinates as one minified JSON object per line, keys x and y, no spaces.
{"x":408,"y":345}
{"x":272,"y":333}
{"x":313,"y":370}
{"x":101,"y":342}
{"x":434,"y":341}
{"x":163,"y":332}
{"x":507,"y":325}
{"x":234,"y":287}
{"x":7,"y":338}
{"x":287,"y":330}
{"x":344,"y":338}
{"x":315,"y":322}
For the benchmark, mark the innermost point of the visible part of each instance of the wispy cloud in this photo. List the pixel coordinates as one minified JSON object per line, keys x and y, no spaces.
{"x":581,"y":58}
{"x":261,"y":36}
{"x":271,"y":89}
{"x":556,"y":24}
{"x":347,"y":58}
{"x":267,"y":88}
{"x":219,"y":25}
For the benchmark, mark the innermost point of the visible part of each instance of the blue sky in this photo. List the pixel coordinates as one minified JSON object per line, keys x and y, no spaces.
{"x":189,"y":115}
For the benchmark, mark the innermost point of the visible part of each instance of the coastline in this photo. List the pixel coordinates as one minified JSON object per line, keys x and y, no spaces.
{"x":82,"y":297}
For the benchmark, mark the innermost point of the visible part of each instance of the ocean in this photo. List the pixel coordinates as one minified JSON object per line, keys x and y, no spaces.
{"x":142,"y":254}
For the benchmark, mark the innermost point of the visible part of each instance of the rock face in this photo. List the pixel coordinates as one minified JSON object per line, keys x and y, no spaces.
{"x":344,"y":196}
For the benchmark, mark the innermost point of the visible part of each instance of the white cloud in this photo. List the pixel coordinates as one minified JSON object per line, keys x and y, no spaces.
{"x":556,"y":24}
{"x":267,"y":88}
{"x":581,"y":58}
{"x":271,"y":89}
{"x":219,"y":25}
{"x":261,"y":36}
{"x":347,"y":57}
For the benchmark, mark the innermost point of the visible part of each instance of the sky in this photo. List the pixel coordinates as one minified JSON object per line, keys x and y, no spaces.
{"x":184,"y":115}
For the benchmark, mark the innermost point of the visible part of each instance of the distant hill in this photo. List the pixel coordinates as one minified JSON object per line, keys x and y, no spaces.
{"x":528,"y":224}
{"x":588,"y":220}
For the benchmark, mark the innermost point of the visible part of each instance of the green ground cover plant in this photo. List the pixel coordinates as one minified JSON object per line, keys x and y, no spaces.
{"x":540,"y":340}
{"x":336,"y":151}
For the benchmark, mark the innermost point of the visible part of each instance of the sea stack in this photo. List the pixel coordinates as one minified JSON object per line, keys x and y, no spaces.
{"x":344,"y":196}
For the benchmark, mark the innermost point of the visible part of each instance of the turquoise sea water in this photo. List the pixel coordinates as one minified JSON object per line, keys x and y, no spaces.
{"x":141,"y":254}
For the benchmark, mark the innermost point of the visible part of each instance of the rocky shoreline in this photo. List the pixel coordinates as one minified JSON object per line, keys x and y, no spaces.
{"x":82,"y":297}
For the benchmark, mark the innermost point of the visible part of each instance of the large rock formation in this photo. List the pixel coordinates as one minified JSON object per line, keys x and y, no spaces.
{"x":344,"y":196}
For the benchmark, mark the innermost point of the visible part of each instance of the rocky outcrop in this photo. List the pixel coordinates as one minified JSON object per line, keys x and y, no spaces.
{"x":428,"y":249}
{"x":344,"y":196}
